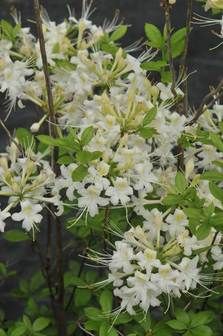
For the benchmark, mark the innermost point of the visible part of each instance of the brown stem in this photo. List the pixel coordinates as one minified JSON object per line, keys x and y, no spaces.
{"x":167,"y":8}
{"x":183,"y":66}
{"x":58,"y":299}
{"x":183,"y":107}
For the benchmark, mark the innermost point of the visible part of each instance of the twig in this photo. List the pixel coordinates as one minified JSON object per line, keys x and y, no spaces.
{"x":215,"y":94}
{"x":9,"y":135}
{"x":167,"y":6}
{"x":59,"y":299}
{"x":183,"y":107}
{"x":183,"y":66}
{"x":44,"y":61}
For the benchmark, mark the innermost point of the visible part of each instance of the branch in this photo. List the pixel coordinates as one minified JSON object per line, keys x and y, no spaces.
{"x":183,"y":66}
{"x":166,"y":5}
{"x":208,"y":102}
{"x":9,"y":135}
{"x":58,"y":301}
{"x":45,"y":63}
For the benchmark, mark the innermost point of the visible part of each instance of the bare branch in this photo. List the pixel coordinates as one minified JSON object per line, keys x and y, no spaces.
{"x":208,"y":102}
{"x":167,"y":7}
{"x":45,"y":65}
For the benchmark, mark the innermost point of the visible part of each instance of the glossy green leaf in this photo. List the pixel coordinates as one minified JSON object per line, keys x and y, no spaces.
{"x":119,"y":33}
{"x":15,"y":236}
{"x":154,"y":36}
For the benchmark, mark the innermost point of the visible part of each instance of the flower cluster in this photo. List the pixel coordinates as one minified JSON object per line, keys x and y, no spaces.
{"x":27,"y":182}
{"x":119,"y":140}
{"x":160,"y":257}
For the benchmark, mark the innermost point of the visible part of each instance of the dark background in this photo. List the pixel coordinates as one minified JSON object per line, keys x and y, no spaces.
{"x":135,"y":12}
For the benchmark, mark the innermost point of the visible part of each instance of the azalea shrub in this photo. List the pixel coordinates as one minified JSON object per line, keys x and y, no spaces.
{"x":117,"y":187}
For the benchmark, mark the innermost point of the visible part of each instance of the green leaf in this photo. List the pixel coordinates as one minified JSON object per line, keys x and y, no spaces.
{"x":15,"y":236}
{"x":216,"y":141}
{"x":166,"y":77}
{"x":119,"y":33}
{"x":107,"y":330}
{"x":154,"y":36}
{"x":27,"y":322}
{"x":171,"y":199}
{"x":93,"y":313}
{"x":8,"y":31}
{"x":19,"y":331}
{"x":178,"y":42}
{"x":181,"y":182}
{"x":25,"y":138}
{"x":161,"y":329}
{"x":123,"y":318}
{"x":67,"y":143}
{"x":202,"y":331}
{"x":203,"y":230}
{"x":37,"y":281}
{"x":212,"y":176}
{"x":147,"y":132}
{"x":87,"y":135}
{"x":216,"y":221}
{"x":182,"y":316}
{"x":106,"y":300}
{"x":201,"y":318}
{"x":150,"y":116}
{"x":2,"y":333}
{"x":193,"y":213}
{"x":92,"y":325}
{"x":177,"y":325}
{"x":85,"y":156}
{"x":154,"y":65}
{"x":79,"y":173}
{"x":82,"y":297}
{"x":216,"y":191}
{"x":41,"y":323}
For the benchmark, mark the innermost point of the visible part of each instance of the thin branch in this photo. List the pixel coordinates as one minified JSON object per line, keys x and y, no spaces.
{"x":59,"y":285}
{"x":167,"y":8}
{"x":208,"y":102}
{"x":44,"y":61}
{"x":183,"y":66}
{"x":9,"y":135}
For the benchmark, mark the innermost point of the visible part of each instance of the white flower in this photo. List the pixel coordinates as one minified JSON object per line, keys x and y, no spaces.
{"x":13,"y":80}
{"x":120,"y":191}
{"x":203,"y":191}
{"x":166,"y":279}
{"x":3,"y":216}
{"x":90,"y":199}
{"x":128,"y":299}
{"x":176,"y":223}
{"x":165,"y":91}
{"x":190,"y":273}
{"x":66,"y":181}
{"x":29,"y":214}
{"x":144,"y":290}
{"x":122,"y":258}
{"x":187,"y":242}
{"x":153,"y":223}
{"x":217,"y":256}
{"x":207,"y":155}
